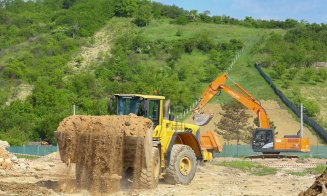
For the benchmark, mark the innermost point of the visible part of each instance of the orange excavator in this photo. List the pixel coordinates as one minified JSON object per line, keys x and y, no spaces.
{"x":263,"y":139}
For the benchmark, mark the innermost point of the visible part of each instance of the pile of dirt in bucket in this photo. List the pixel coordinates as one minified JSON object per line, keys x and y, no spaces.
{"x":103,"y":148}
{"x":318,"y":187}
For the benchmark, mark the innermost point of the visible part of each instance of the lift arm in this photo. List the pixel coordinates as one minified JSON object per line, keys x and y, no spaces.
{"x":244,"y":98}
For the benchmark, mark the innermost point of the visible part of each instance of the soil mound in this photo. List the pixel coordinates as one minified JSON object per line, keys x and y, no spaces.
{"x":5,"y":162}
{"x":318,"y":187}
{"x":103,"y":148}
{"x":4,"y":144}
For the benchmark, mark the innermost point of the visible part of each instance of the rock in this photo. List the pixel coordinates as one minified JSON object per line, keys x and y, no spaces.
{"x":8,"y":161}
{"x":4,"y":144}
{"x":200,"y":169}
{"x":23,"y":166}
{"x":14,"y":159}
{"x":2,"y":172}
{"x":3,"y":153}
{"x":52,"y":164}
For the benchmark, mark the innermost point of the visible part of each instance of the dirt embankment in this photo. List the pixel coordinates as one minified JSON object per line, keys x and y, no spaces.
{"x":5,"y":157}
{"x":103,"y":147}
{"x":318,"y":187}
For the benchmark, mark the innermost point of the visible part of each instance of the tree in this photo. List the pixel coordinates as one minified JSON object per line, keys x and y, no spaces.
{"x":234,"y":123}
{"x":67,"y":3}
{"x":126,"y":8}
{"x":249,"y":21}
{"x":205,"y":16}
{"x":290,"y":23}
{"x":143,"y":14}
{"x":193,"y":15}
{"x":181,"y":20}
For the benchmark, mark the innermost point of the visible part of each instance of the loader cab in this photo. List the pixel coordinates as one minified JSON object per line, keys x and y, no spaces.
{"x":263,"y":140}
{"x":140,"y":105}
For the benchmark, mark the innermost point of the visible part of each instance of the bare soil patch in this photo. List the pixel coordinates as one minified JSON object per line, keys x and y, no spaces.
{"x":210,"y":179}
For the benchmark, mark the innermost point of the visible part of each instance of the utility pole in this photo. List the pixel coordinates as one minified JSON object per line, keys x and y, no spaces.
{"x":301,"y":120}
{"x":74,"y":109}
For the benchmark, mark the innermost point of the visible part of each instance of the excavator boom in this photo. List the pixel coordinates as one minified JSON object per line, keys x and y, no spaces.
{"x":243,"y":97}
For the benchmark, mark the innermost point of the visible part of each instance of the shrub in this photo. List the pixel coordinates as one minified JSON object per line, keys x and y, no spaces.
{"x":189,"y":45}
{"x":311,"y":108}
{"x":179,"y":33}
{"x":307,"y":75}
{"x":322,"y":73}
{"x":291,"y":74}
{"x":204,"y":43}
{"x":280,"y":70}
{"x":140,"y":21}
{"x":181,"y":20}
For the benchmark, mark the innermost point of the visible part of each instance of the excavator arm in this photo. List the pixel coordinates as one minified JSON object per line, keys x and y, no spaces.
{"x":212,"y":90}
{"x":244,"y":98}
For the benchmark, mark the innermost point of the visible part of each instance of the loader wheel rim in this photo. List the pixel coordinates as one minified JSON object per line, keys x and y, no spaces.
{"x":185,"y":166}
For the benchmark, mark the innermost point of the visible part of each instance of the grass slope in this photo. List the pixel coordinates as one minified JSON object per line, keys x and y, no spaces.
{"x":243,"y":71}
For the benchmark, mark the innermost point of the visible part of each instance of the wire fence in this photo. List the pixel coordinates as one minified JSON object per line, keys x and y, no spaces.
{"x":32,"y":150}
{"x":228,"y":151}
{"x":246,"y":150}
{"x":312,"y":123}
{"x":185,"y":112}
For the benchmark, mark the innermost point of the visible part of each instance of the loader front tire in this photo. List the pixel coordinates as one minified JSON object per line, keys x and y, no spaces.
{"x":182,"y":165}
{"x":149,"y":176}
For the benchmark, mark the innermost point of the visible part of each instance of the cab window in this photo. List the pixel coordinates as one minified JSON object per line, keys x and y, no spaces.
{"x":154,"y":111}
{"x":261,"y":136}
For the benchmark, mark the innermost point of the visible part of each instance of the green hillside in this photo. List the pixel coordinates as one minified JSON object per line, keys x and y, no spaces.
{"x":55,"y":54}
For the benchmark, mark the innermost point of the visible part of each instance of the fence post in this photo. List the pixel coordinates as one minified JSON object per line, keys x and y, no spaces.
{"x":74,"y":109}
{"x":301,"y":120}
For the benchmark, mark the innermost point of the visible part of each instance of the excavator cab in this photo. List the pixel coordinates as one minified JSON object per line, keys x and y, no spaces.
{"x":263,"y":140}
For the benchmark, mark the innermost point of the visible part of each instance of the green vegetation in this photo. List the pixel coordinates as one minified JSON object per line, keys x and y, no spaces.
{"x":251,"y":167}
{"x":234,"y":123}
{"x":152,"y":47}
{"x":26,"y":157}
{"x":289,"y":59}
{"x":319,"y":169}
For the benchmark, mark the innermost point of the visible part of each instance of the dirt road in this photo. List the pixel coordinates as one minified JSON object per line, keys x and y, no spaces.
{"x":52,"y":177}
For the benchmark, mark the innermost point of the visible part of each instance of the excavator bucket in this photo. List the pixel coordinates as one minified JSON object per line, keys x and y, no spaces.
{"x":202,"y":119}
{"x":104,"y":148}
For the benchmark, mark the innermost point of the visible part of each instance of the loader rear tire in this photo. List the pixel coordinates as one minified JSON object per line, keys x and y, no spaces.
{"x":182,"y":165}
{"x":149,"y":176}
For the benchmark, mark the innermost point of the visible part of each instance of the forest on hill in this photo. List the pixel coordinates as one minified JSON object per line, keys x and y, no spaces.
{"x":40,"y":39}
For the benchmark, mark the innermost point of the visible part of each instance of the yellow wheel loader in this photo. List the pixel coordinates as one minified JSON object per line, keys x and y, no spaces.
{"x":177,"y":147}
{"x":140,"y":142}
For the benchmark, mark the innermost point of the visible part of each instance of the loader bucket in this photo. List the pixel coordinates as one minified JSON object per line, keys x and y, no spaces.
{"x":202,"y":119}
{"x":104,"y":148}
